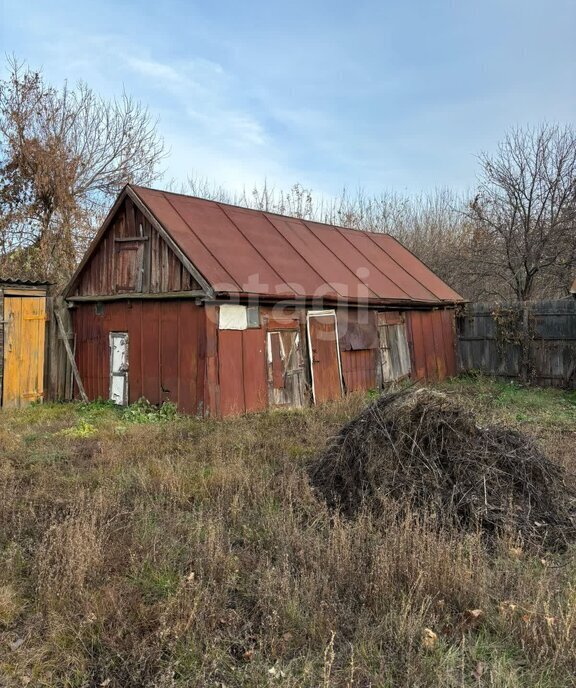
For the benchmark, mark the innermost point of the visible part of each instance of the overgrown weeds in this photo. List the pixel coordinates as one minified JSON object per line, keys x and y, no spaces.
{"x":195,"y":553}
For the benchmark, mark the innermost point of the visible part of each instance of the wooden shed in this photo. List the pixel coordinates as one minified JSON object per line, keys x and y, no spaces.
{"x":22,"y":341}
{"x":223,"y":310}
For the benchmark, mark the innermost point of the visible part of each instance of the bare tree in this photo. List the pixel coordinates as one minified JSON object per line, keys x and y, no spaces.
{"x":64,"y":154}
{"x":525,"y":214}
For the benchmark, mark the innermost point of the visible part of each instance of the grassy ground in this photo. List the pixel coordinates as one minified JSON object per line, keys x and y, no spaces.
{"x":141,"y":549}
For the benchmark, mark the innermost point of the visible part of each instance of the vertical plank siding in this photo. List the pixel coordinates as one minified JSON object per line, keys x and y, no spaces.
{"x":359,"y":369}
{"x":431,"y":338}
{"x":177,"y":352}
{"x":492,"y":339}
{"x":163,"y":350}
{"x":132,"y":257}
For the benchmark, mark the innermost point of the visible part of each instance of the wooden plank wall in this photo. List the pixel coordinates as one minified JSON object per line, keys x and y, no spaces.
{"x":535,"y":341}
{"x":162,"y":271}
{"x":58,"y":382}
{"x":166,"y":350}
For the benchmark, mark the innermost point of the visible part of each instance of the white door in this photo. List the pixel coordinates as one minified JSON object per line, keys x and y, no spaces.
{"x":119,"y":367}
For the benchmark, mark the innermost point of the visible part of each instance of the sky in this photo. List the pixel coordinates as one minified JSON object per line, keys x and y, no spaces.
{"x":378,"y":95}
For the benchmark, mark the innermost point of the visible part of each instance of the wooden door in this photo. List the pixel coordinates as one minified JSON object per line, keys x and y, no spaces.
{"x":119,"y":368}
{"x":324,"y":356}
{"x":285,"y":368}
{"x":24,"y":334}
{"x":394,"y":352}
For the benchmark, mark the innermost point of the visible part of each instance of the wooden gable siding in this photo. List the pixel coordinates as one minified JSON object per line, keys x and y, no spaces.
{"x":132,"y":257}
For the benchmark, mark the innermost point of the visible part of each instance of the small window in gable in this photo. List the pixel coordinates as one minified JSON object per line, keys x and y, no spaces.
{"x":128,"y":264}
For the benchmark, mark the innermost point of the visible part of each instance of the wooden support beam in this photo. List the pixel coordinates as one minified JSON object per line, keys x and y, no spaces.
{"x":73,"y":365}
{"x":138,"y":296}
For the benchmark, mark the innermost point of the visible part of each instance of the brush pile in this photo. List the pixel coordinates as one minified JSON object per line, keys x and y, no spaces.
{"x":424,"y":451}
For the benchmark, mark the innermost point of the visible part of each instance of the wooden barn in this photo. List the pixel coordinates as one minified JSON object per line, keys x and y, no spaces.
{"x":223,"y":310}
{"x":22,"y":341}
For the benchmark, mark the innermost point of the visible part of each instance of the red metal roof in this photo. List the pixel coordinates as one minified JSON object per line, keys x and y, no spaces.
{"x":244,"y":251}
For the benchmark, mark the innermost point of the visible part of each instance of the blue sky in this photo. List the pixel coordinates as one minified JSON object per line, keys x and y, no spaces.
{"x":379,"y":95}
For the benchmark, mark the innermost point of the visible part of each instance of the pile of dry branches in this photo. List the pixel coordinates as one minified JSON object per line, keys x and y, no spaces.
{"x":422,"y":450}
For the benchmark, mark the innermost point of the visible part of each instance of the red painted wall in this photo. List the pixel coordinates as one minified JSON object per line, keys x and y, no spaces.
{"x":432,"y":344}
{"x":177,"y":353}
{"x":166,"y":350}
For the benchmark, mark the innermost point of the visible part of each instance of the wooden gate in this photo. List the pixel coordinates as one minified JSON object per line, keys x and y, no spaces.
{"x":324,"y":355}
{"x":24,"y":335}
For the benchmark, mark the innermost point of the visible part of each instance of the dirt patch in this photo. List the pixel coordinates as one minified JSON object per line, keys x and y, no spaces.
{"x":422,"y":449}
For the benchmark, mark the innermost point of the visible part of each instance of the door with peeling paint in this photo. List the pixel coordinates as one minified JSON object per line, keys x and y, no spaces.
{"x":285,"y":368}
{"x":119,"y":368}
{"x":24,"y":336}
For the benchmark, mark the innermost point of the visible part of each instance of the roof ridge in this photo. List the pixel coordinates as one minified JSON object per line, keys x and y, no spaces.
{"x":258,"y":210}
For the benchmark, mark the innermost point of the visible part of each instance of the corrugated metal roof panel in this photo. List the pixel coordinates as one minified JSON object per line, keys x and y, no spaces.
{"x":23,"y":282}
{"x":240,"y":250}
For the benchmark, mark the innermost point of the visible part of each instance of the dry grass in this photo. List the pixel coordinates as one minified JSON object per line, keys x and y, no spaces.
{"x":195,"y":553}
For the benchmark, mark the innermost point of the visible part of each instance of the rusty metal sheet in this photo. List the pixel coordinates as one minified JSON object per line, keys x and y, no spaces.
{"x":359,"y":370}
{"x":253,"y":252}
{"x":449,"y":341}
{"x":433,"y":344}
{"x":416,"y":268}
{"x":230,"y":372}
{"x":283,"y":323}
{"x":390,"y":318}
{"x":337,"y":280}
{"x":166,"y":356}
{"x":416,"y":339}
{"x":254,"y":370}
{"x":325,"y":357}
{"x":297,"y":276}
{"x":357,"y":329}
{"x":374,"y":271}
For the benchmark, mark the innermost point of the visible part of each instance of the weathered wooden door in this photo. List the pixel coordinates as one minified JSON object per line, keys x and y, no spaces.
{"x":324,"y":355}
{"x":24,"y":334}
{"x":119,"y":368}
{"x":394,"y":352}
{"x":285,"y":368}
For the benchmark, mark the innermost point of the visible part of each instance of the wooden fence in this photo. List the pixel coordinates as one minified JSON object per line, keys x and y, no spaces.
{"x":533,"y":341}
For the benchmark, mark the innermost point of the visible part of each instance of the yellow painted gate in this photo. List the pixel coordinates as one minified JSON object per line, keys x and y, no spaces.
{"x":24,"y":334}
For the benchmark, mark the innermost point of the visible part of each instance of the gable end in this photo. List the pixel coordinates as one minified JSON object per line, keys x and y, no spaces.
{"x":132,"y":255}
